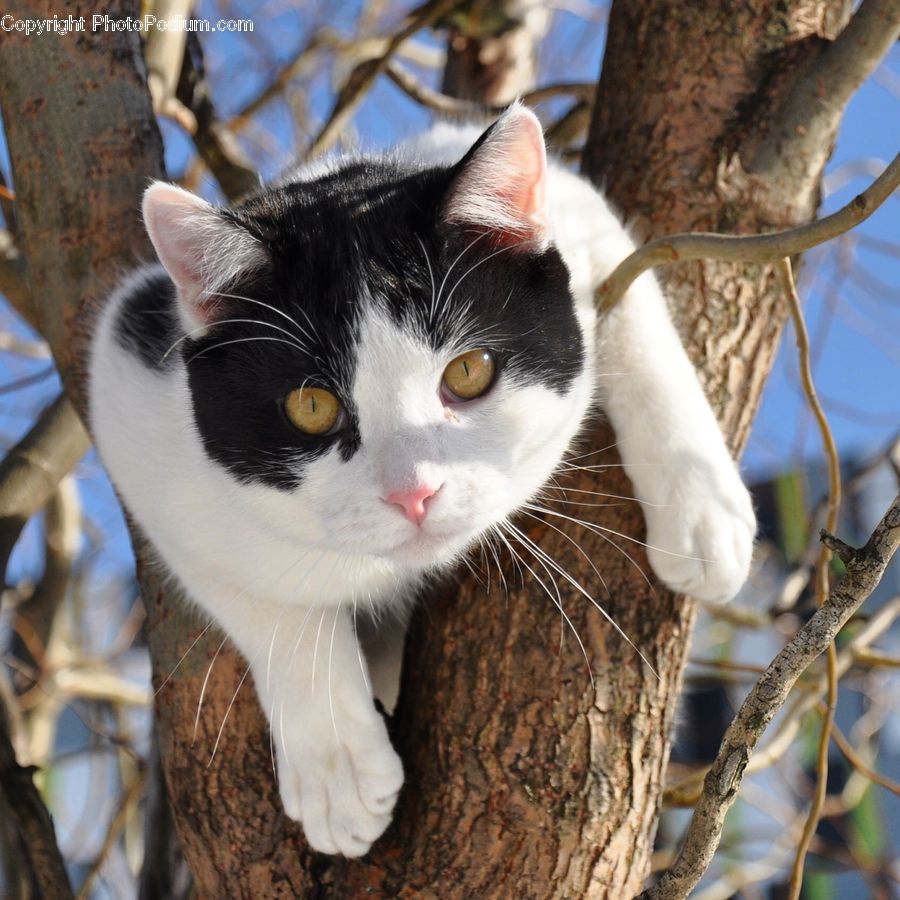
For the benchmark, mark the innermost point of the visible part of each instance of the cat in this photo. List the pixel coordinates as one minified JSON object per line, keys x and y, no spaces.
{"x":339,"y":386}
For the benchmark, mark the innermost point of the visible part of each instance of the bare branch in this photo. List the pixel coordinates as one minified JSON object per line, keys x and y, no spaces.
{"x":492,"y":49}
{"x":686,"y":791}
{"x":321,"y":39}
{"x":127,"y":806}
{"x":803,"y":128}
{"x":164,"y":51}
{"x":747,"y":248}
{"x":36,"y":615}
{"x":11,"y":343}
{"x":860,"y":764}
{"x":864,"y":572}
{"x":453,"y":106}
{"x":32,"y":822}
{"x":786,"y":274}
{"x":32,"y":470}
{"x":844,"y":552}
{"x":363,"y":76}
{"x":215,"y":142}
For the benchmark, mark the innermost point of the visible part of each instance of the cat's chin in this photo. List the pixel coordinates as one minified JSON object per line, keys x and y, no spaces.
{"x":425,"y":550}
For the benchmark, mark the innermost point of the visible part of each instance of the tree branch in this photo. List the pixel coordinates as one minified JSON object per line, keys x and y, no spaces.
{"x":164,"y":51}
{"x":786,"y":275}
{"x":800,"y":133}
{"x":492,"y":50}
{"x":453,"y":106}
{"x":215,"y":142}
{"x":31,"y":471}
{"x":863,"y":573}
{"x":363,"y":76}
{"x":32,"y":821}
{"x":687,"y":791}
{"x":34,"y":618}
{"x":747,"y":248}
{"x":13,"y":283}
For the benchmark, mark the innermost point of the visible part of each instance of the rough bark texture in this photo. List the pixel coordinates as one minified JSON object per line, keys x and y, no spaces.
{"x":522,"y":779}
{"x":680,"y":94}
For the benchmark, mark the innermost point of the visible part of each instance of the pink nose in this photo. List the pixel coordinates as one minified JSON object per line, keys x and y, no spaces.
{"x":413,"y":502}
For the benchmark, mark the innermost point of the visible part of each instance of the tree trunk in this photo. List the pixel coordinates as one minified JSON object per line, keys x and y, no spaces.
{"x":523,"y":778}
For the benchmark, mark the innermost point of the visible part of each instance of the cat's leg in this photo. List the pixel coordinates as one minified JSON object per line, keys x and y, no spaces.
{"x":700,"y":521}
{"x":382,"y":643}
{"x":337,"y":772}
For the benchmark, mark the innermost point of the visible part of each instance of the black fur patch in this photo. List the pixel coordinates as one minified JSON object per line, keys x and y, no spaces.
{"x":362,"y":230}
{"x":147,"y":323}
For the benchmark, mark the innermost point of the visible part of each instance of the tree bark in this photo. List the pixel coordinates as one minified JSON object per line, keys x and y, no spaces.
{"x":492,"y":50}
{"x":523,"y":778}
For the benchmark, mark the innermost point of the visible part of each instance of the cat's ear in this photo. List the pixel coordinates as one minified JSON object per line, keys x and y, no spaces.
{"x":203,"y":251}
{"x":500,"y":185}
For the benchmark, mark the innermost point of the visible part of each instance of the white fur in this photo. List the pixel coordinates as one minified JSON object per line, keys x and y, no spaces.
{"x":283,"y":573}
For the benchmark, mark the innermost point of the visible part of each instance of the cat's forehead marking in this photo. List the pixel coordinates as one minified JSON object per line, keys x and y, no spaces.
{"x":397,"y":373}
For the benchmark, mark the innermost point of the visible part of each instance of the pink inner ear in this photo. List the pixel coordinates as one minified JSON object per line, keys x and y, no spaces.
{"x":175,"y":222}
{"x":501,"y":188}
{"x":200,"y":249}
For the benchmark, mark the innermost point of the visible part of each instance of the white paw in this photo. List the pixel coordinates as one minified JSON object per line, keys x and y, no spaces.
{"x":342,"y":788}
{"x":701,"y":532}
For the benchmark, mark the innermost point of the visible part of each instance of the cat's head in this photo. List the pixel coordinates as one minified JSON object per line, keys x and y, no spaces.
{"x":385,"y":359}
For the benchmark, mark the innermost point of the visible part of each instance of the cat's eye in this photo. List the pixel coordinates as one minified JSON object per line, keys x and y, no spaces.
{"x":469,"y":375}
{"x":313,"y":410}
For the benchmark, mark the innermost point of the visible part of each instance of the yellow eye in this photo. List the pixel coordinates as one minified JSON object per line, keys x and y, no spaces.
{"x":470,"y":375}
{"x":313,"y":410}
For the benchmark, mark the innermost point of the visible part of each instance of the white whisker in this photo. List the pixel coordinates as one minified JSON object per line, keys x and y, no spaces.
{"x":337,"y":612}
{"x":203,"y":688}
{"x":204,"y":328}
{"x":228,"y":710}
{"x":557,"y":601}
{"x":312,"y":678}
{"x":447,"y":273}
{"x":625,"y":537}
{"x":239,"y":341}
{"x":539,"y":553}
{"x":279,"y":312}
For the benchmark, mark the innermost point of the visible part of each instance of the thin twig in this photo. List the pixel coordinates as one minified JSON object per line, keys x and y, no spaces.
{"x":747,"y":248}
{"x":127,"y":802}
{"x":860,"y":764}
{"x":42,"y":859}
{"x":785,"y":272}
{"x":363,"y":76}
{"x":32,"y":470}
{"x":687,"y":790}
{"x":863,"y":573}
{"x":454,"y":106}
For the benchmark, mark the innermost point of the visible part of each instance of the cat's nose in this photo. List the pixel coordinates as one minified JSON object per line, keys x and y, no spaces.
{"x":413,"y":501}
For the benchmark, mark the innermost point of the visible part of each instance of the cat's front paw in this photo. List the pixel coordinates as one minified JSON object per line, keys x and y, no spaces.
{"x":341,"y":786}
{"x":700,"y":534}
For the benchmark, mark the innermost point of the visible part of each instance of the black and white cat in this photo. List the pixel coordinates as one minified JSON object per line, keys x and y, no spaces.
{"x":342,"y":384}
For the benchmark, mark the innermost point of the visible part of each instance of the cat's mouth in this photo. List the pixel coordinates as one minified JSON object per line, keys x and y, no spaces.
{"x":431,"y":547}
